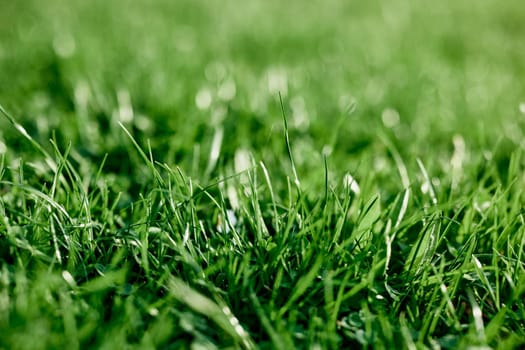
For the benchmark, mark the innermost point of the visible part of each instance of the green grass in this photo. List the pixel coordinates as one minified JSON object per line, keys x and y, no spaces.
{"x":204,"y":174}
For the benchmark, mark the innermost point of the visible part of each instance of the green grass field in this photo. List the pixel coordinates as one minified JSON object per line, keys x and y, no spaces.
{"x":262,"y":174}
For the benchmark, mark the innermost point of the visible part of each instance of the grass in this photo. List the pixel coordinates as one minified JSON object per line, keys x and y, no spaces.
{"x":263,"y":175}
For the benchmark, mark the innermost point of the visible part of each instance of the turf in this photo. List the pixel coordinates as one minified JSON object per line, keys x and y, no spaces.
{"x":201,"y":174}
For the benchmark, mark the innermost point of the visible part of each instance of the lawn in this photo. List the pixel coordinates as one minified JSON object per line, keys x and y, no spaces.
{"x":262,"y":174}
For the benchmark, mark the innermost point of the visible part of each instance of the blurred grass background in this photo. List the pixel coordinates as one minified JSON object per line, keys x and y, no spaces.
{"x":431,"y":70}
